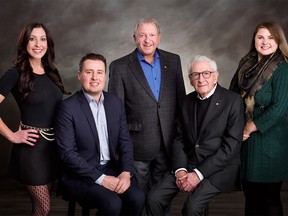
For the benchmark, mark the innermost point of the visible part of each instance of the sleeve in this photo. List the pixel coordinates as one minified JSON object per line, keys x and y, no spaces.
{"x":65,"y":130}
{"x":279,"y":102}
{"x":178,"y":153}
{"x":181,"y":92}
{"x":125,"y":143}
{"x":8,"y":81}
{"x":115,"y":84}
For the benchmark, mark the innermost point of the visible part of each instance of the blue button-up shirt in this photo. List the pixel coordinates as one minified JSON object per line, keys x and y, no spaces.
{"x":152,"y":72}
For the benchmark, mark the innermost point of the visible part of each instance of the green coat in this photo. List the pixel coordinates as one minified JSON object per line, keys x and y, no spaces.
{"x":265,"y":153}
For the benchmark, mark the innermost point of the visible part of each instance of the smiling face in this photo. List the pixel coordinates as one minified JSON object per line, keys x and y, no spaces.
{"x":147,"y":39}
{"x":201,"y":85}
{"x":93,"y":77}
{"x":37,"y":44}
{"x":265,"y":43}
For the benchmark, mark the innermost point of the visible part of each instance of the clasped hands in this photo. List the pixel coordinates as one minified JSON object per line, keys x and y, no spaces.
{"x":187,"y":181}
{"x":117,"y":184}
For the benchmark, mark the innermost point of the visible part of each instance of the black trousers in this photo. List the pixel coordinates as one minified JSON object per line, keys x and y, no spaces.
{"x":262,"y":198}
{"x":149,"y":173}
{"x":161,"y":195}
{"x":109,"y":203}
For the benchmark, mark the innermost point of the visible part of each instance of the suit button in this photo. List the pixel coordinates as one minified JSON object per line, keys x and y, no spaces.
{"x":196,"y":146}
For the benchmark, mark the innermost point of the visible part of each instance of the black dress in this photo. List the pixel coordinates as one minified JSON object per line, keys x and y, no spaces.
{"x":34,"y":165}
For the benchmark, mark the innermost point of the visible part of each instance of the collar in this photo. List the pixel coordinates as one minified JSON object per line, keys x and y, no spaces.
{"x":89,"y":98}
{"x":209,"y":95}
{"x":141,"y":57}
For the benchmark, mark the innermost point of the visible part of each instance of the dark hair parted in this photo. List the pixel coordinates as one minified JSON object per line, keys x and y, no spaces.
{"x":278,"y":34}
{"x":26,"y":79}
{"x":92,"y":56}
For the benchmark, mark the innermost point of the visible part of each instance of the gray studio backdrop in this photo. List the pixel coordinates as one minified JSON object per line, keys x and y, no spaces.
{"x":220,"y":29}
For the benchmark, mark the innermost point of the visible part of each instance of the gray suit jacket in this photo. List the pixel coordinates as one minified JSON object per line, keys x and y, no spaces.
{"x":149,"y":121}
{"x":215,"y":151}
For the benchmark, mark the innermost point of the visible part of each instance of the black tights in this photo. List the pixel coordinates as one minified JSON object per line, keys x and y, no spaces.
{"x":262,"y":198}
{"x":40,"y":198}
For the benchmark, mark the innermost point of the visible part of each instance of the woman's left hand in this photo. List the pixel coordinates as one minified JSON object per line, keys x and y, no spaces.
{"x":249,"y":128}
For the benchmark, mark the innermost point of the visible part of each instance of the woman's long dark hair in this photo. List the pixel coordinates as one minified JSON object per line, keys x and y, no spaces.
{"x":26,"y":79}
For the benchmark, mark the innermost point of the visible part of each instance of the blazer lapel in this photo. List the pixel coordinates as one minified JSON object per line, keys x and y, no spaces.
{"x":212,"y":109}
{"x":164,"y":75}
{"x":89,"y":116}
{"x":109,"y":110}
{"x":136,"y":69}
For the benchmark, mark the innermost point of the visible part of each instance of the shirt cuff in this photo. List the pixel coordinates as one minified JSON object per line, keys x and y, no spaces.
{"x":183,"y":169}
{"x":100,"y":179}
{"x":199,"y":174}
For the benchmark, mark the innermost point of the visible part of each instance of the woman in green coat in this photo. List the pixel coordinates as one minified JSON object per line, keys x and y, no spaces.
{"x":262,"y":81}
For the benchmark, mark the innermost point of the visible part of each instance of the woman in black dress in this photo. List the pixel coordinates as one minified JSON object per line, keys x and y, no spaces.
{"x":36,"y":85}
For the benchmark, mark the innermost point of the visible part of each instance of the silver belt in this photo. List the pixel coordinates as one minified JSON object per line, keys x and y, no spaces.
{"x":44,"y":132}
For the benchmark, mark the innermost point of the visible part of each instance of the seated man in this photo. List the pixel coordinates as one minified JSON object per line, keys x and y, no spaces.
{"x":95,"y":147}
{"x":206,"y":150}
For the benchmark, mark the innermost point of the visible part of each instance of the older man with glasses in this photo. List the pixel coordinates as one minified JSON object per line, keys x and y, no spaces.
{"x":206,"y":149}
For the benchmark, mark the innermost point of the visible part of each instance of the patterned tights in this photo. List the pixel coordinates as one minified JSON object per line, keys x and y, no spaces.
{"x":40,"y":198}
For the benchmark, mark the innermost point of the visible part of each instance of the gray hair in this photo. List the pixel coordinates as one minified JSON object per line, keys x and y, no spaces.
{"x":146,"y":20}
{"x":200,"y":58}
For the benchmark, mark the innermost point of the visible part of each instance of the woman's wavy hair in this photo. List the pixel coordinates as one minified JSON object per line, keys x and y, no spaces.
{"x":278,"y":34}
{"x":26,"y":79}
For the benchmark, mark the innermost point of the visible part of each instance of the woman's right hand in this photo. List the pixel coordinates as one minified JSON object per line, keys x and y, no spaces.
{"x":27,"y":136}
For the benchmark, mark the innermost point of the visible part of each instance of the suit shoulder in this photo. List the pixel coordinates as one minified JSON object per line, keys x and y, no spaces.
{"x":169,"y":54}
{"x":122,"y":60}
{"x":72,"y":98}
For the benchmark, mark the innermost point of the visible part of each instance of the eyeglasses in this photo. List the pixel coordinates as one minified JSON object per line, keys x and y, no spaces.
{"x":196,"y":75}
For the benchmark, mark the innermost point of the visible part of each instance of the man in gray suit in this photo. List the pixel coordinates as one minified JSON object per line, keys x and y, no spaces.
{"x":150,"y":83}
{"x":206,"y":149}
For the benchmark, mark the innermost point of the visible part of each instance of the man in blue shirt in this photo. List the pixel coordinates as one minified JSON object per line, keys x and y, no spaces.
{"x":150,"y":83}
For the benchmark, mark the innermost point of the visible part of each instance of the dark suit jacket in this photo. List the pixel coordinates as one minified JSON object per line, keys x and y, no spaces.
{"x":215,"y":151}
{"x":149,"y":121}
{"x":78,"y":141}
